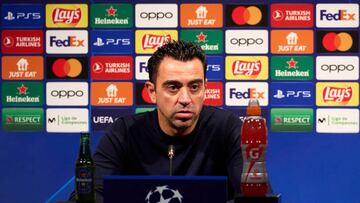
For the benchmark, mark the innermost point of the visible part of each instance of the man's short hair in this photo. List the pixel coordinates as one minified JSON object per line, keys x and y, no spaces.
{"x":179,"y":50}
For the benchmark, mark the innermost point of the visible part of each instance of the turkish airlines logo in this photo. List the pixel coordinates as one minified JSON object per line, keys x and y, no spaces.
{"x":67,"y":16}
{"x":214,"y":94}
{"x":154,"y":41}
{"x":22,"y":41}
{"x":246,"y":67}
{"x":292,"y":15}
{"x":337,"y":15}
{"x":337,"y":94}
{"x":111,"y":67}
{"x":246,"y":15}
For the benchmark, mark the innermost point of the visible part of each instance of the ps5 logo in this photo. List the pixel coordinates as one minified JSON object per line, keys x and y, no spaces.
{"x":294,"y":94}
{"x":111,"y":41}
{"x":25,"y":16}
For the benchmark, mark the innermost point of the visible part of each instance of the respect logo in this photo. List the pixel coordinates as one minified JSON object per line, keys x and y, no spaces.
{"x":292,"y":119}
{"x":337,"y":42}
{"x":66,"y":15}
{"x":246,"y":15}
{"x":337,"y":94}
{"x":246,"y":67}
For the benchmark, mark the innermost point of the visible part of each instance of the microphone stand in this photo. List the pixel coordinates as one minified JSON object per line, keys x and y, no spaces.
{"x":171,"y":154}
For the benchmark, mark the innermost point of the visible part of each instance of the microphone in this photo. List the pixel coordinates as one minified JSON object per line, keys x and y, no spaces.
{"x":171,"y":154}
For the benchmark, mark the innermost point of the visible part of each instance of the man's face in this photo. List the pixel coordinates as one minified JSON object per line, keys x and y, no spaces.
{"x":179,"y":94}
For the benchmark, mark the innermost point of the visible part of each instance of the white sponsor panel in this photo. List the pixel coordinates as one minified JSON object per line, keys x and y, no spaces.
{"x":337,"y":15}
{"x":67,"y":94}
{"x":67,"y":120}
{"x":246,"y":41}
{"x":156,"y":15}
{"x":337,"y":68}
{"x":337,"y":120}
{"x":66,"y":41}
{"x":141,"y":72}
{"x":239,"y":93}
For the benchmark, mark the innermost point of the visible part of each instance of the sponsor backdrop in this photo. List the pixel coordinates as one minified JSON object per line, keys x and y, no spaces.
{"x":73,"y":67}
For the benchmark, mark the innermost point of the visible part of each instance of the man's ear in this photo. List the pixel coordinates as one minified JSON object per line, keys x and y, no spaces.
{"x":150,"y":87}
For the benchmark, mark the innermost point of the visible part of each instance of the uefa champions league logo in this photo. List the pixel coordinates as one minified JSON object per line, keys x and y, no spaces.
{"x":163,"y":194}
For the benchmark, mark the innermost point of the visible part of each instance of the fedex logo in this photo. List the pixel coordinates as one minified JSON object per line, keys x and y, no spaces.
{"x":66,"y":42}
{"x":239,"y":93}
{"x":337,"y":15}
{"x":141,"y":70}
{"x":71,"y":41}
{"x":251,"y":93}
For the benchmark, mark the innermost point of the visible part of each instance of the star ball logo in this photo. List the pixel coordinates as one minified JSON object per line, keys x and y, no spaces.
{"x":337,"y":41}
{"x":292,"y":15}
{"x":66,"y":68}
{"x":163,"y":194}
{"x":66,"y":15}
{"x":246,"y":15}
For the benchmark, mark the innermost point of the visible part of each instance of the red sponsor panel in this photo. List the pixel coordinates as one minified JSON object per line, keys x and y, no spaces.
{"x":22,"y":42}
{"x":214,"y":94}
{"x":292,"y":15}
{"x":112,"y":67}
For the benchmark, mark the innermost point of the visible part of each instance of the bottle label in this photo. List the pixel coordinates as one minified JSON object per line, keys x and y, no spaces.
{"x":84,"y":180}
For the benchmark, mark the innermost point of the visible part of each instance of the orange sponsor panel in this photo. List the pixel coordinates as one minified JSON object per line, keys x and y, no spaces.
{"x":201,"y":15}
{"x":111,"y":93}
{"x":292,"y":41}
{"x":22,"y":67}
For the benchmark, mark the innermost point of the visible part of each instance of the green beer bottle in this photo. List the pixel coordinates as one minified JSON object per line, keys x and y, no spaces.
{"x":84,"y":172}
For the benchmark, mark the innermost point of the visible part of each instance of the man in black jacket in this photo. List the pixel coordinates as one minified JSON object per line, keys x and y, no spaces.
{"x":205,"y":139}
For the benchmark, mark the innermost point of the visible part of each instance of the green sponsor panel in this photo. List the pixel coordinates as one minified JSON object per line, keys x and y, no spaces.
{"x":111,"y":15}
{"x":292,"y":119}
{"x":22,"y":94}
{"x":211,"y":41}
{"x":23,"y":119}
{"x":292,"y":67}
{"x":142,"y":110}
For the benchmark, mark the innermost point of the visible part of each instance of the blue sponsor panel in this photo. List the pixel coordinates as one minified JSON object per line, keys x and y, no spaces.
{"x":22,"y":15}
{"x":112,"y":41}
{"x":103,"y":118}
{"x":292,"y":94}
{"x":215,"y":68}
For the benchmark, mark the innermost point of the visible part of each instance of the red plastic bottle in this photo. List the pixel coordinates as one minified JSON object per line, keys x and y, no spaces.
{"x":254,"y":178}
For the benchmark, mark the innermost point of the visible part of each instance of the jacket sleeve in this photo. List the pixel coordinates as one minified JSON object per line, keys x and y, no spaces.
{"x":109,"y":156}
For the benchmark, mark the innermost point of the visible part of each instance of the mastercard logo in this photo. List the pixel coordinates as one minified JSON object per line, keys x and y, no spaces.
{"x":337,"y":41}
{"x":242,"y":15}
{"x":67,"y":68}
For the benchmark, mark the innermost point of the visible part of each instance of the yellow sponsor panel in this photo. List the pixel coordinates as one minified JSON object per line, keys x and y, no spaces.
{"x":246,"y":67}
{"x":147,"y":41}
{"x":337,"y":94}
{"x":66,"y":15}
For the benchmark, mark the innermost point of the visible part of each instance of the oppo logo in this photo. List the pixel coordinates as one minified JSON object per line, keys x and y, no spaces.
{"x":66,"y":93}
{"x":337,"y":68}
{"x":246,"y":41}
{"x":156,"y":15}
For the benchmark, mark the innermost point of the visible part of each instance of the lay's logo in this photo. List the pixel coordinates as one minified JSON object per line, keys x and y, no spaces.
{"x":337,"y":94}
{"x":246,"y":67}
{"x":67,"y":15}
{"x":341,"y":95}
{"x":155,"y":41}
{"x":147,"y":41}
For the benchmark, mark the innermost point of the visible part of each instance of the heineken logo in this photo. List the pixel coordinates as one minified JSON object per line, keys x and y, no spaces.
{"x":209,"y":40}
{"x":201,"y":37}
{"x":292,"y":68}
{"x":111,"y":15}
{"x":22,"y":94}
